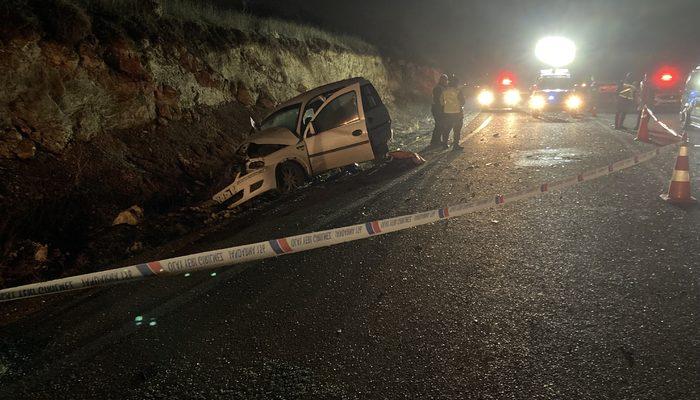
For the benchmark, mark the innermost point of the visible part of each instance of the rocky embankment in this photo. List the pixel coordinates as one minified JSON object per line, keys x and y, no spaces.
{"x":104,"y":106}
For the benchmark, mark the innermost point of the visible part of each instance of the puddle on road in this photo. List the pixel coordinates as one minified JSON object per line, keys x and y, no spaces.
{"x":547,"y":157}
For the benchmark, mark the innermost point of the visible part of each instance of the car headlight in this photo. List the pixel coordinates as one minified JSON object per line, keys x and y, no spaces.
{"x":485,"y":98}
{"x":511,"y":97}
{"x":573,"y":102}
{"x":537,"y":102}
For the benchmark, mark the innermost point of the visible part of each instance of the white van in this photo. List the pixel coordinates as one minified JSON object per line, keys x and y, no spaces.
{"x":328,"y":127}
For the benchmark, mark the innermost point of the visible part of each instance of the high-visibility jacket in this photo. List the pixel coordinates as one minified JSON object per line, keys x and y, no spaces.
{"x":627,"y":91}
{"x":452,"y":100}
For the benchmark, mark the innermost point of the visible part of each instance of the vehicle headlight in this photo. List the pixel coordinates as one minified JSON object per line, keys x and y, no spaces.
{"x":485,"y":98}
{"x":256,"y":164}
{"x":537,"y":102}
{"x":511,"y":97}
{"x":573,"y":102}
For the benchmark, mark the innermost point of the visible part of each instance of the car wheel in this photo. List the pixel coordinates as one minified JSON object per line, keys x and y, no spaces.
{"x":290,"y":177}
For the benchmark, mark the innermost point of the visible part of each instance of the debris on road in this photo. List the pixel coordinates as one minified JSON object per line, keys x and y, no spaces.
{"x":406,"y":155}
{"x":42,"y":253}
{"x":131,"y":216}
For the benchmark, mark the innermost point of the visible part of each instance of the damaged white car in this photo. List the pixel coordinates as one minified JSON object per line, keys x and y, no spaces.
{"x":328,"y":127}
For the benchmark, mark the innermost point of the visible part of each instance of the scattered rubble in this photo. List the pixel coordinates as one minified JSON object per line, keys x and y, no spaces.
{"x":131,"y":216}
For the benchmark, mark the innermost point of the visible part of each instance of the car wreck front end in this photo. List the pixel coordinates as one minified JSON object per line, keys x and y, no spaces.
{"x":256,"y":172}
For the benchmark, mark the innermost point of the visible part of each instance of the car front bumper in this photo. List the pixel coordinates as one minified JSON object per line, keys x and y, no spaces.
{"x":247,"y":187}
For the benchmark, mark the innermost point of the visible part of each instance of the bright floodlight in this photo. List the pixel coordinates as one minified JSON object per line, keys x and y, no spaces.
{"x":555,"y":51}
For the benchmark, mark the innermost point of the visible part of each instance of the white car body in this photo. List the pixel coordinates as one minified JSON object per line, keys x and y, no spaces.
{"x":345,"y":142}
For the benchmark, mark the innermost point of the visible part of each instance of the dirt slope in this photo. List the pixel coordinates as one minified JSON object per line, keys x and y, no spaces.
{"x":107,"y":104}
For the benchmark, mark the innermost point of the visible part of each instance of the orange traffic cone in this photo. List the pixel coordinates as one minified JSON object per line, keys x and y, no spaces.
{"x":643,"y":131}
{"x":679,"y":189}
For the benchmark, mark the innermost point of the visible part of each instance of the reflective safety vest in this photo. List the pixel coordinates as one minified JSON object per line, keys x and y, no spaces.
{"x":627,"y":91}
{"x":452,"y":100}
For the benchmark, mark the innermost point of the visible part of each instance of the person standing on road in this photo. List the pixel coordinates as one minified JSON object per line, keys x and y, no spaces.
{"x":625,"y":100}
{"x":438,"y":112}
{"x":646,"y":98}
{"x":452,"y":102}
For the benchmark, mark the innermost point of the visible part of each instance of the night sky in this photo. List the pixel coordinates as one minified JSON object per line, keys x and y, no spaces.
{"x":473,"y":38}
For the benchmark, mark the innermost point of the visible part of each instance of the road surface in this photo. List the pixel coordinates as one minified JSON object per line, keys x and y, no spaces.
{"x":587,"y":293}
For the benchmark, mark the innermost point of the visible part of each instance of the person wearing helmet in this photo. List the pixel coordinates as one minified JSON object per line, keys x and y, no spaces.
{"x":452,"y":105}
{"x":436,"y":109}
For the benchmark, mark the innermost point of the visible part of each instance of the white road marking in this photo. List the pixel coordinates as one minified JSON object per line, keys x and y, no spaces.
{"x":477,"y":130}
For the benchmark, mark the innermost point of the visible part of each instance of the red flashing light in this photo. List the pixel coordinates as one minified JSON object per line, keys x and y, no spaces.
{"x":506,"y":79}
{"x":665,"y":77}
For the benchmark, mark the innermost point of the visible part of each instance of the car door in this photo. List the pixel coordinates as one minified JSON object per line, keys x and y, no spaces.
{"x":337,"y":135}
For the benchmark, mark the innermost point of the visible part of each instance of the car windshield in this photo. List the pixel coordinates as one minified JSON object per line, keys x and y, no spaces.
{"x":284,"y":118}
{"x":550,"y":83}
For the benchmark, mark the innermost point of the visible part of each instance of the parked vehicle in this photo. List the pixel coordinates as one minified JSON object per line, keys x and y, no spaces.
{"x":690,"y":101}
{"x":331,"y":126}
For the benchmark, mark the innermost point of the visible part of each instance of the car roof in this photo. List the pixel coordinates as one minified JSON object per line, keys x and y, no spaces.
{"x":308,"y":95}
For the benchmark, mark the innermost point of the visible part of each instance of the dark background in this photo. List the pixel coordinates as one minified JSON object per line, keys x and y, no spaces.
{"x":474,"y":38}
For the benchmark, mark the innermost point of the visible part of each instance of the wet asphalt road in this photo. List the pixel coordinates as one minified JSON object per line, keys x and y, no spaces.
{"x":587,"y":293}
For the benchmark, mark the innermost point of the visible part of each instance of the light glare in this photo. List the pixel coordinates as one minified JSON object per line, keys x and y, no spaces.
{"x":537,"y":102}
{"x":511,"y":97}
{"x":485,"y":98}
{"x":574,"y":102}
{"x":555,"y":51}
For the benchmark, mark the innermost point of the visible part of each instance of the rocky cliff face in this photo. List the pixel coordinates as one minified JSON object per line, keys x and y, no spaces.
{"x":99,"y":112}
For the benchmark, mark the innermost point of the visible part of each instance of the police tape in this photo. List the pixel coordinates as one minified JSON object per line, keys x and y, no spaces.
{"x":304,"y":242}
{"x":667,"y":128}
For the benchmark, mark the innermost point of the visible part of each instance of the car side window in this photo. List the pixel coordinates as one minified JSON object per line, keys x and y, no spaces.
{"x":341,"y":111}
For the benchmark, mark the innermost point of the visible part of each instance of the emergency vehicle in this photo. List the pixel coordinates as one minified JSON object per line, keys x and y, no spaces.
{"x":690,"y":102}
{"x":502,"y":94}
{"x":555,"y":91}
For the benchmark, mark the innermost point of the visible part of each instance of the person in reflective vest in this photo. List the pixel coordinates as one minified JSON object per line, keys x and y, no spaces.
{"x":452,"y":105}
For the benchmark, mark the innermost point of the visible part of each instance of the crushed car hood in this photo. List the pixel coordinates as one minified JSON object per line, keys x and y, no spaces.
{"x":274,"y":136}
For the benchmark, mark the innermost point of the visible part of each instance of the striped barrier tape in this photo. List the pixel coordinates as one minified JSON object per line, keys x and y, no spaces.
{"x":667,"y":128}
{"x":304,"y":242}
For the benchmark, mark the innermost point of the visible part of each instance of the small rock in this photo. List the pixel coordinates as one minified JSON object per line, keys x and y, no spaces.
{"x":131,"y":216}
{"x":42,"y":253}
{"x":493,"y":221}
